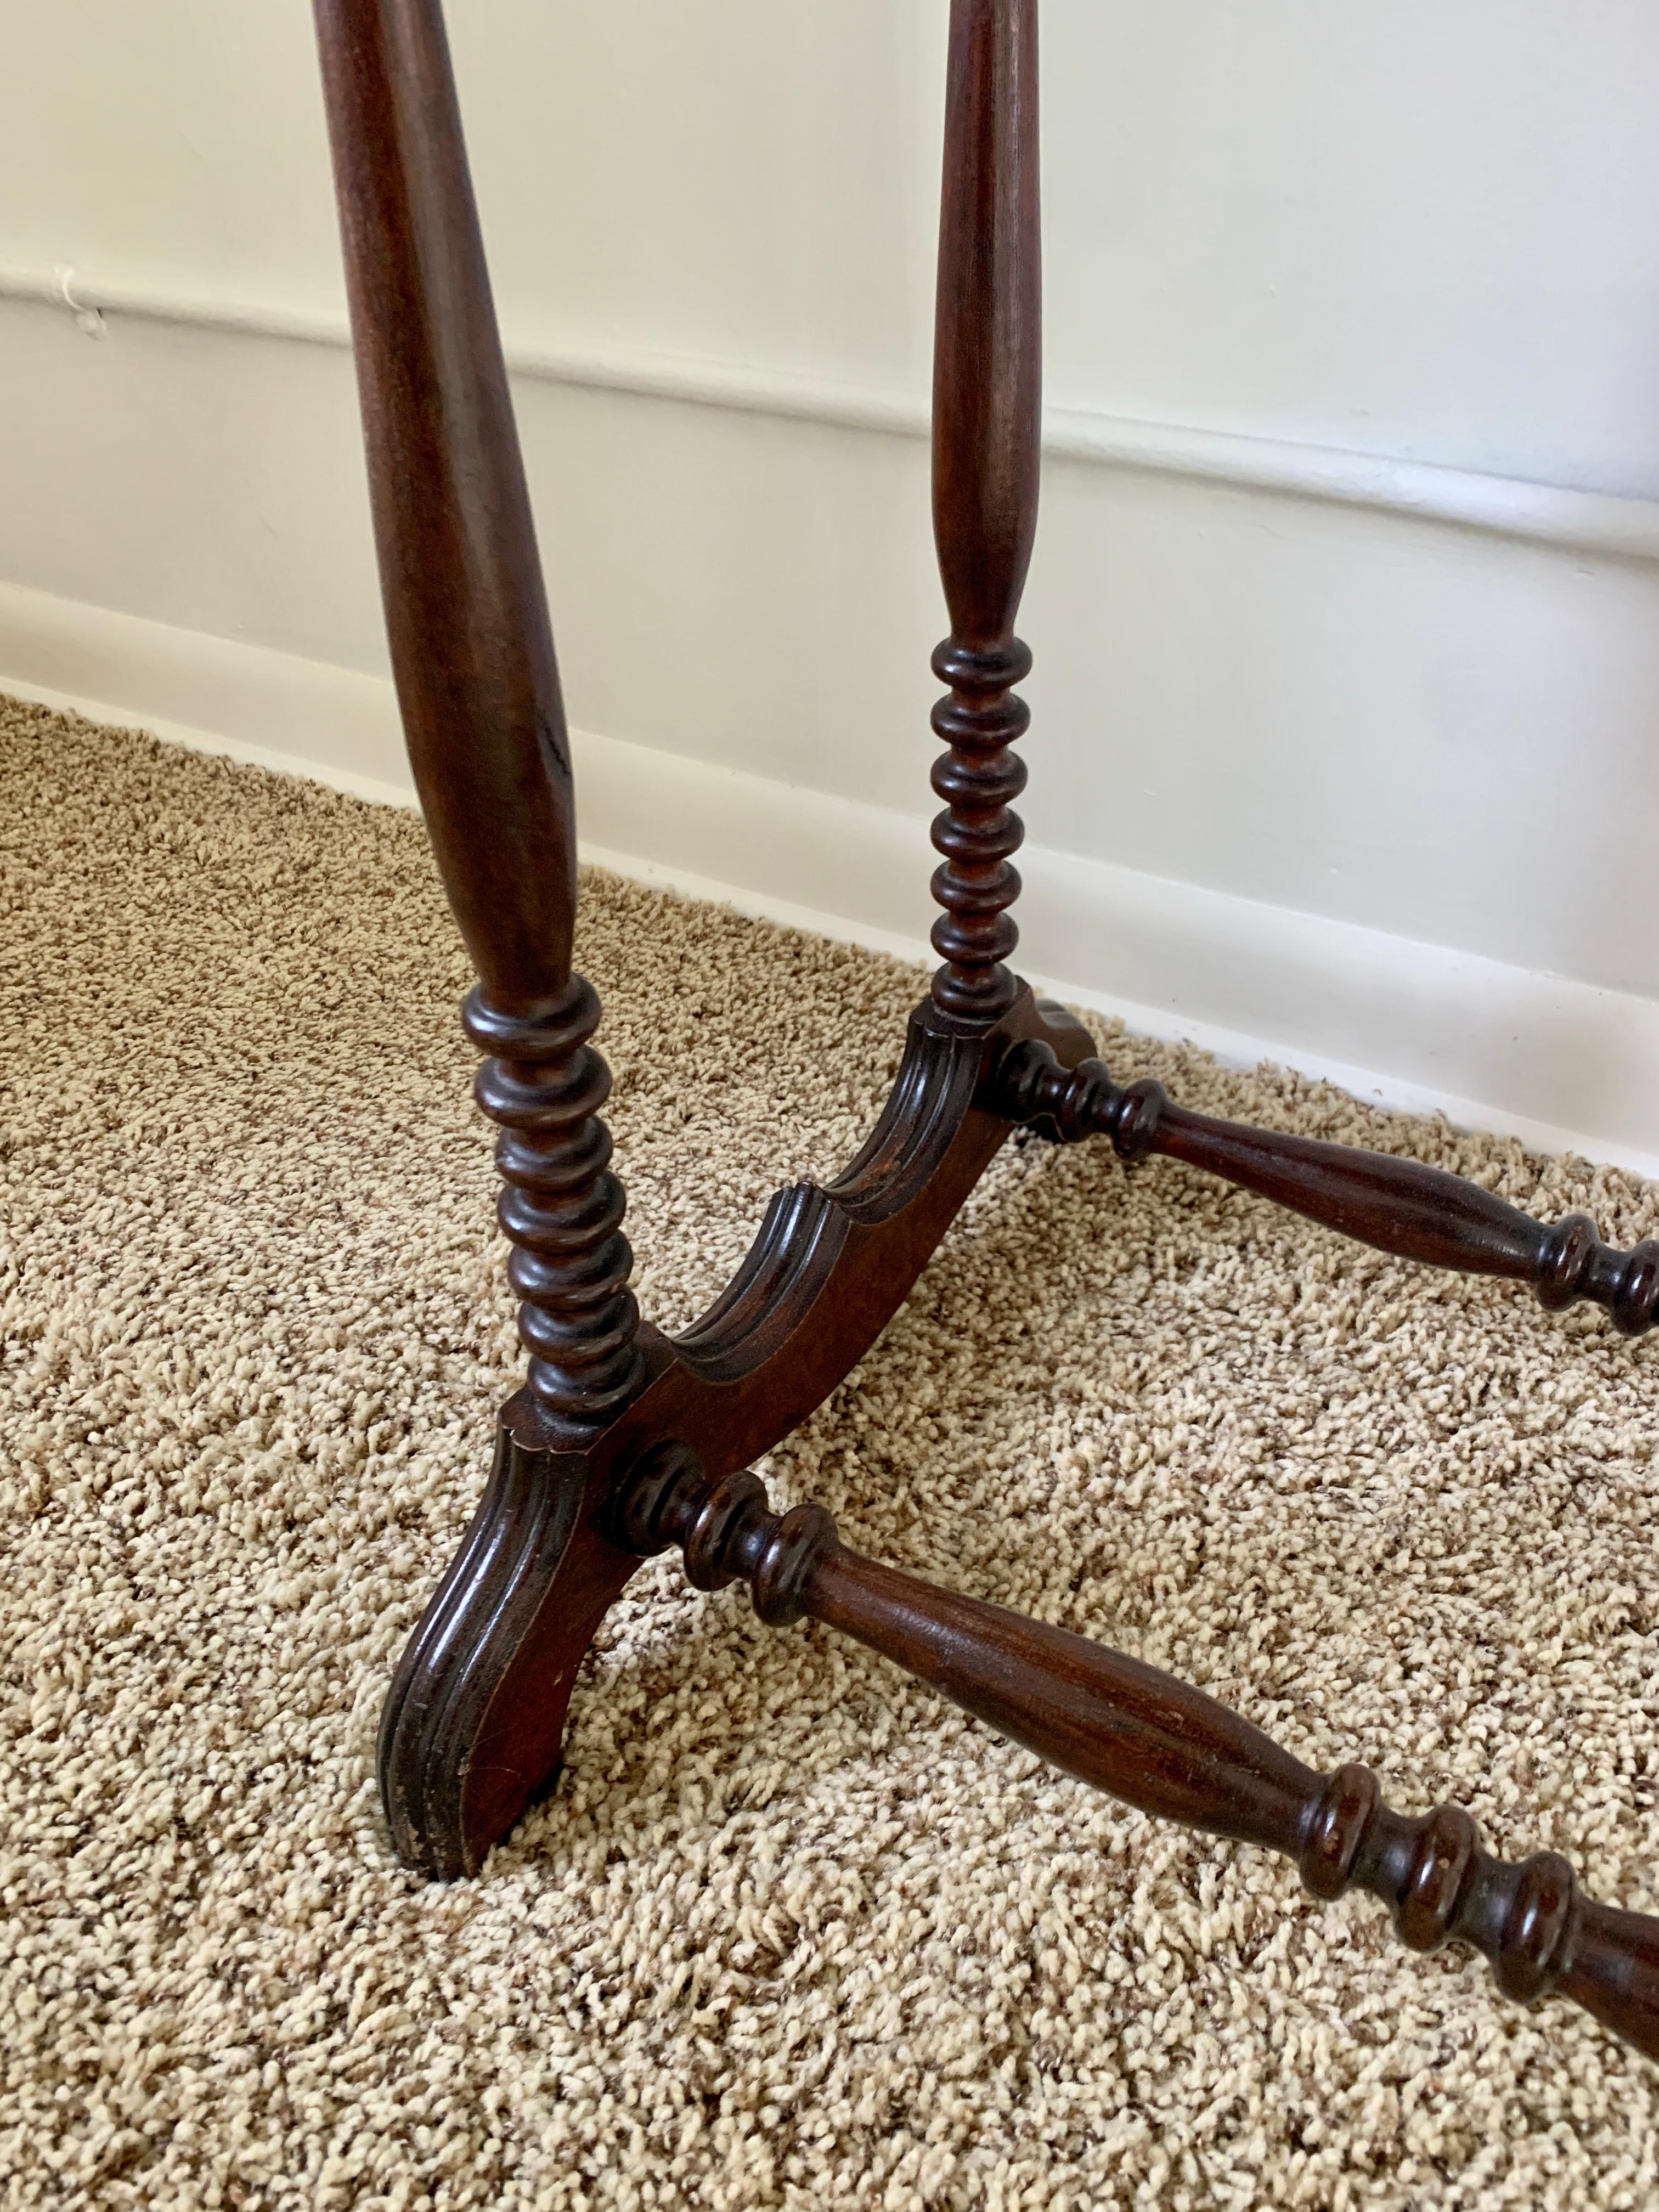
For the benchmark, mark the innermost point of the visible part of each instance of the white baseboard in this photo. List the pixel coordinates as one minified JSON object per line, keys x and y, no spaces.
{"x":220,"y":695}
{"x":1562,"y":1065}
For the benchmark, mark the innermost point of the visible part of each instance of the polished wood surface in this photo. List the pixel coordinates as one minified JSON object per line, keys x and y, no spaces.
{"x":1157,"y":1743}
{"x":1395,"y":1205}
{"x":562,"y":1207}
{"x":477,"y":683}
{"x":472,"y":1727}
{"x":622,"y":1439}
{"x":987,"y":421}
{"x":466,"y":615}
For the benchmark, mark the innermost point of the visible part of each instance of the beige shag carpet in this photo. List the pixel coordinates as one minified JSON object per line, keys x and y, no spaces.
{"x":789,"y":1933}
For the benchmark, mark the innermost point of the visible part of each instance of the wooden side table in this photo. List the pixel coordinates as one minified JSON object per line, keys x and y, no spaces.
{"x":623,"y":1441}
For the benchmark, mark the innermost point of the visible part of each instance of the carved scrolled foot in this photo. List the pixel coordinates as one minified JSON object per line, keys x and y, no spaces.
{"x":1395,"y":1205}
{"x":470,"y":1730}
{"x":1159,"y":1744}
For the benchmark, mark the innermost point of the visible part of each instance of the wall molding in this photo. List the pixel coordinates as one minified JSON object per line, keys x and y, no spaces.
{"x":1562,"y":1065}
{"x":1506,"y":506}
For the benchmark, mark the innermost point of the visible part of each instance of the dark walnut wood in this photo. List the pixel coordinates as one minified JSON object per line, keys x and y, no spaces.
{"x":471,"y":1728}
{"x":621,"y":1439}
{"x":477,"y":683}
{"x":562,"y":1207}
{"x":1395,"y":1205}
{"x":987,"y":420}
{"x":1159,"y":1744}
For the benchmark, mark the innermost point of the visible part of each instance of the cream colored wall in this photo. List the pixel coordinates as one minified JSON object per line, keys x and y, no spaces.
{"x":1361,"y":270}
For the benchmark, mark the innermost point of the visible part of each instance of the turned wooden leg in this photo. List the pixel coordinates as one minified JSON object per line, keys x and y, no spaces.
{"x":1395,"y":1205}
{"x":1159,"y":1744}
{"x":478,"y":687}
{"x":987,"y":376}
{"x":583,"y":1482}
{"x":478,"y":683}
{"x":987,"y":420}
{"x":472,"y":1725}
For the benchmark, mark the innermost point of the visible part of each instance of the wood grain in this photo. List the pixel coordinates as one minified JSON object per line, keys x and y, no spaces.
{"x":473,"y":1723}
{"x":624,"y":1440}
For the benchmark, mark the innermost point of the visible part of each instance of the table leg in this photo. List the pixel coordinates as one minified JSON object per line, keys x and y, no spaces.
{"x":987,"y":415}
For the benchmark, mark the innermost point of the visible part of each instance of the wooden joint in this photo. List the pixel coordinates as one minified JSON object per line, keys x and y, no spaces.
{"x":1069,"y":1104}
{"x":724,"y":1529}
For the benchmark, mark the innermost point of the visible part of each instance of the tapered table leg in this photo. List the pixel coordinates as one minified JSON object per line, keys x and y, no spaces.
{"x":988,"y":412}
{"x":478,"y":687}
{"x":478,"y":681}
{"x":472,"y":1724}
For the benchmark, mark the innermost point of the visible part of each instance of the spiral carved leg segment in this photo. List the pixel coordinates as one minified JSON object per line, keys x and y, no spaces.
{"x":1395,"y":1205}
{"x":979,"y":829}
{"x":472,"y":1726}
{"x":987,"y":406}
{"x":562,"y":1208}
{"x":1157,"y":1743}
{"x":457,"y":1765}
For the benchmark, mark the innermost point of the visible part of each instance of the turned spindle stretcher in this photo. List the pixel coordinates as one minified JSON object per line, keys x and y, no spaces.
{"x":623,"y":1441}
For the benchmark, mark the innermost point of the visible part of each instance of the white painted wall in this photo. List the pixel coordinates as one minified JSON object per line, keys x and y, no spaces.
{"x":1311,"y":762}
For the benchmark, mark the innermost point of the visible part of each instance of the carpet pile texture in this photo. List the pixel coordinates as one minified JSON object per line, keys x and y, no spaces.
{"x":789,"y":1932}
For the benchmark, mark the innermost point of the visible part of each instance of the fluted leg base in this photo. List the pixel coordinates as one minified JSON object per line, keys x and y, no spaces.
{"x":471,"y":1730}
